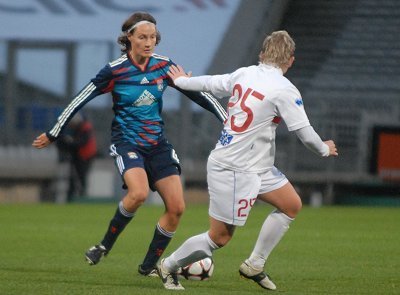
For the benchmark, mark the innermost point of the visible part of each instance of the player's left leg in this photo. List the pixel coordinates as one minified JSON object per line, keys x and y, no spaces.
{"x":170,"y":190}
{"x":163,"y":170}
{"x":288,"y":204}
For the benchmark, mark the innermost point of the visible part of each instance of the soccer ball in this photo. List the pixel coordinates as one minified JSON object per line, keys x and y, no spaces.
{"x":200,"y":270}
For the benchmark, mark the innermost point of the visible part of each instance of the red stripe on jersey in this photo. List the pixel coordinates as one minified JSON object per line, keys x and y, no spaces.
{"x":148,"y":130}
{"x":109,"y":87}
{"x":139,"y":143}
{"x":122,"y":78}
{"x":276,"y":120}
{"x":151,"y":122}
{"x":149,"y":140}
{"x":161,"y":78}
{"x":158,"y":65}
{"x":119,"y":71}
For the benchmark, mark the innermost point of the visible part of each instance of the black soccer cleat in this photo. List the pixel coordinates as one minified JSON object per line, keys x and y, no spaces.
{"x":152,"y":272}
{"x":95,"y":253}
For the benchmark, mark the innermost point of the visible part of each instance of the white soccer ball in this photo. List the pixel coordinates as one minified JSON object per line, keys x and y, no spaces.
{"x":201,"y":270}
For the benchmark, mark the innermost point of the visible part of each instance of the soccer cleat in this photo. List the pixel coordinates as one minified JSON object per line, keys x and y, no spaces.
{"x":170,"y":280}
{"x":95,"y":253}
{"x":247,"y":271}
{"x":148,"y":272}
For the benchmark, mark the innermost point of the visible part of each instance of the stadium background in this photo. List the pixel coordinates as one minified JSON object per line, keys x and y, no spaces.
{"x":347,"y":69}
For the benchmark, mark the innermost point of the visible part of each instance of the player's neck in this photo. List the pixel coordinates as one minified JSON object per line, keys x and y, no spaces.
{"x":139,"y":60}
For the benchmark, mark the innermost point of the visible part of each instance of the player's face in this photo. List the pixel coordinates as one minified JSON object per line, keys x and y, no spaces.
{"x":143,"y":40}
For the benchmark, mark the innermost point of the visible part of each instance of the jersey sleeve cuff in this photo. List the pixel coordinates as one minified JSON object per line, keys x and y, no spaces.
{"x":50,"y":137}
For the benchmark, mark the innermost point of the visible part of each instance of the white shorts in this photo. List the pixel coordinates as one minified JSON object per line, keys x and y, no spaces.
{"x":233,"y":193}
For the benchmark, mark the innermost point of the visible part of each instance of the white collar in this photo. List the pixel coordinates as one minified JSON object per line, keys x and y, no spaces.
{"x":271,"y":67}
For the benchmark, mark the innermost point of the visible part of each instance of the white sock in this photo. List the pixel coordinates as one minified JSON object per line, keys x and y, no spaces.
{"x":192,"y":250}
{"x":272,"y":231}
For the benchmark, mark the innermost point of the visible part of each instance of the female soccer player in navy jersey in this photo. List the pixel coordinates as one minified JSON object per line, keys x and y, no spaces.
{"x":144,"y":157}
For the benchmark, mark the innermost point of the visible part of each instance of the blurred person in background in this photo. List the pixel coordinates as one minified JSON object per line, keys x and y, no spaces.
{"x":240,"y":170}
{"x":77,"y":145}
{"x":143,"y":156}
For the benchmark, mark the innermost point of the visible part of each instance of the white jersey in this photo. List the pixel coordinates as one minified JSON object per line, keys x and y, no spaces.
{"x":259,"y":97}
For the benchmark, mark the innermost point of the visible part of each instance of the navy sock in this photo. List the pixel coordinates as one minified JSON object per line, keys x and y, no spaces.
{"x":116,"y":226}
{"x":157,"y":246}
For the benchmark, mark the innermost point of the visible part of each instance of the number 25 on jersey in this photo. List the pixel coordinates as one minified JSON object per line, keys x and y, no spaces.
{"x":242,"y":98}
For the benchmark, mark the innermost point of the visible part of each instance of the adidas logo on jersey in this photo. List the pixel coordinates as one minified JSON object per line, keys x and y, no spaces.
{"x":144,"y":81}
{"x":146,"y":98}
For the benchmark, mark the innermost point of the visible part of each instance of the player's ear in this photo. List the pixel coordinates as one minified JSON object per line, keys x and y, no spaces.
{"x":158,"y":38}
{"x":261,"y":56}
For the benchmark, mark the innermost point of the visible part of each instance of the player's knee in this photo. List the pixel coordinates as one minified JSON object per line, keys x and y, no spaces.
{"x":221,"y":240}
{"x":294,"y":208}
{"x":136,"y":198}
{"x":176,"y":210}
{"x":179,"y":210}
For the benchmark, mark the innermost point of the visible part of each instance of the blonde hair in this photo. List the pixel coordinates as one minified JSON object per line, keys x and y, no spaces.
{"x":277,"y":49}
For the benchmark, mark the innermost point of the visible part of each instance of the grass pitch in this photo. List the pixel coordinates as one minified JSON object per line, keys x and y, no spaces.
{"x":330,"y":250}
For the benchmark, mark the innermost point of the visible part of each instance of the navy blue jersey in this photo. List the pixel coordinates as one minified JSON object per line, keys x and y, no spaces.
{"x":137,"y":100}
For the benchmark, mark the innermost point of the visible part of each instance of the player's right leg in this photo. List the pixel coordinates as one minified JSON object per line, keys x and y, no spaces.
{"x":193,"y":249}
{"x":136,"y":181}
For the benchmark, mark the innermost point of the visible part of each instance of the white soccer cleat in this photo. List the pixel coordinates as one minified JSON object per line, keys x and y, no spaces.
{"x":247,"y":271}
{"x":170,"y":280}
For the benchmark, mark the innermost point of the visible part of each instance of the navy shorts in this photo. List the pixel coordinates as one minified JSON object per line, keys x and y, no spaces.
{"x":159,"y":161}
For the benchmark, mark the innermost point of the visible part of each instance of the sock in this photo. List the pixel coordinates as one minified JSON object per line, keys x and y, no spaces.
{"x":157,"y":246}
{"x":192,"y":250}
{"x":272,"y":231}
{"x":117,"y":225}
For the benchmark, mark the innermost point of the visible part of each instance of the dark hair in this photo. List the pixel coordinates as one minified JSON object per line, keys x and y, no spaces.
{"x":133,"y":19}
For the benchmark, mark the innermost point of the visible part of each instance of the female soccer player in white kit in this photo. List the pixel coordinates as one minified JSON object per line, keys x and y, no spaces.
{"x":241,"y":169}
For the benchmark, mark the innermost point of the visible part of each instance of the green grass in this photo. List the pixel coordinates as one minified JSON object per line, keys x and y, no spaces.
{"x":331,"y":250}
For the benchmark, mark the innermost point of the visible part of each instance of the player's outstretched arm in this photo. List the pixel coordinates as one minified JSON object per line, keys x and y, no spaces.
{"x":313,"y":142}
{"x":41,"y":141}
{"x":195,"y":91}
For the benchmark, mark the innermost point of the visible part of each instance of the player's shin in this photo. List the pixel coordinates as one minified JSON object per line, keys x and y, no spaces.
{"x":193,"y":249}
{"x":117,"y":225}
{"x":272,"y":231}
{"x":157,"y":246}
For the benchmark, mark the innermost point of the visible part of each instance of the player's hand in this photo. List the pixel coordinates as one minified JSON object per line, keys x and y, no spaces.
{"x":41,"y":141}
{"x":332,"y":148}
{"x":175,"y":72}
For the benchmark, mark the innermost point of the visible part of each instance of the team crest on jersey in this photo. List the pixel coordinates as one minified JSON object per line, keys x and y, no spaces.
{"x":132,"y":155}
{"x":146,"y":98}
{"x":160,"y":85}
{"x":225,"y":138}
